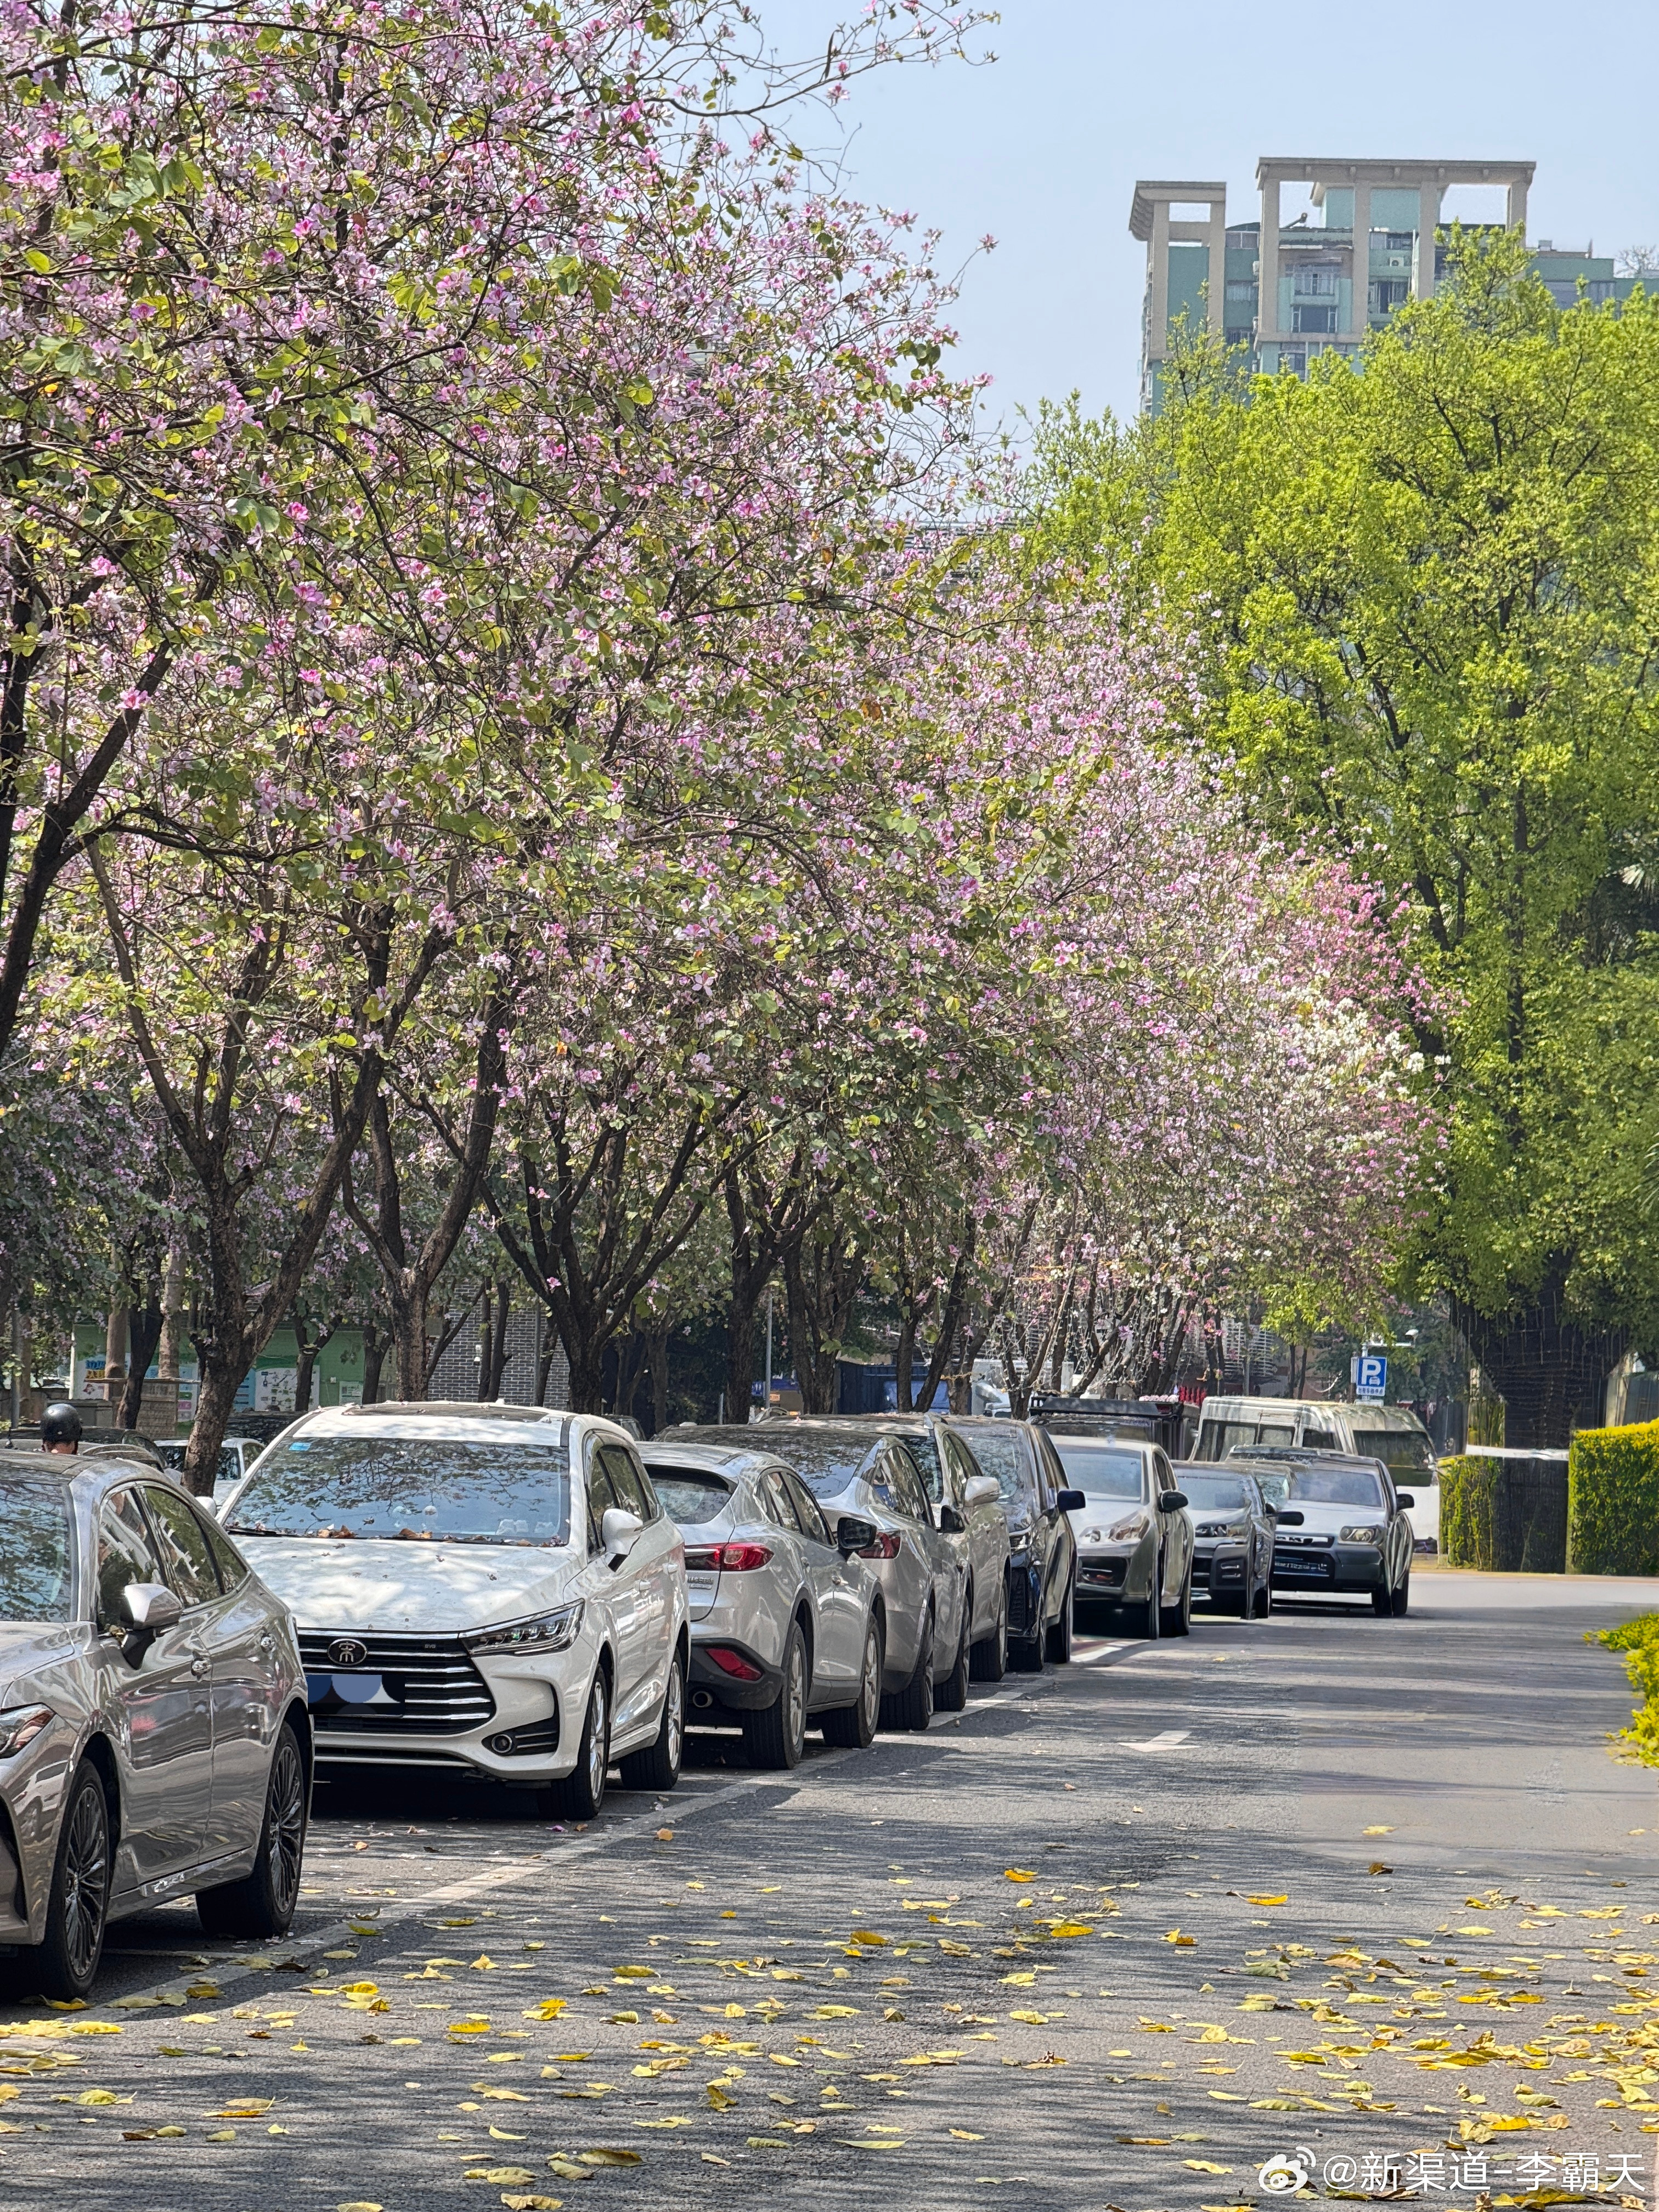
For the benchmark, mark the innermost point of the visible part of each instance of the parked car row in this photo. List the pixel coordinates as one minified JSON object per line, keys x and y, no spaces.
{"x":538,"y":1599}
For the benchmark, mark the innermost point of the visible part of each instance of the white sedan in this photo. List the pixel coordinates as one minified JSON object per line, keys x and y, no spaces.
{"x":492,"y":1588}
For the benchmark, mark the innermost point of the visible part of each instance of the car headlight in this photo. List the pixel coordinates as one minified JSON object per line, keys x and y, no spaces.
{"x":1362,"y":1533}
{"x":1136,"y":1525}
{"x":20,"y":1725}
{"x":542,"y":1631}
{"x":1221,"y":1529}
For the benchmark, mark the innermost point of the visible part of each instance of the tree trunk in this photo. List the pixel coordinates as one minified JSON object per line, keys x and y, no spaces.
{"x":493,"y":1366}
{"x":414,"y":1356}
{"x":1550,"y":1372}
{"x":308,"y":1344}
{"x":216,"y":1401}
{"x":144,"y":1334}
{"x":656,"y":1351}
{"x":822,"y":1276}
{"x":545,"y":1350}
{"x":630,"y":1356}
{"x":374,"y":1351}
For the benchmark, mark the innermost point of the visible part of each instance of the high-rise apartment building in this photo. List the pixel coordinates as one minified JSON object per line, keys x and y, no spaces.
{"x":1289,"y":290}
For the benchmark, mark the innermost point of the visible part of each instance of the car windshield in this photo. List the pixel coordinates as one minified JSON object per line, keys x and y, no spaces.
{"x":1333,"y":1486}
{"x":1002,"y":1453}
{"x":1100,"y":1470}
{"x":1214,"y":1492}
{"x":825,"y":1459}
{"x":688,"y":1496}
{"x":35,"y":1579}
{"x":413,"y":1488}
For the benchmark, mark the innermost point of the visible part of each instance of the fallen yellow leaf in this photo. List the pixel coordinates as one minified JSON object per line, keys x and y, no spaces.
{"x":1019,"y":1874}
{"x":1267,"y":1901}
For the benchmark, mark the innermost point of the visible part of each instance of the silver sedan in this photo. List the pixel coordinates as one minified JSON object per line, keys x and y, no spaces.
{"x":154,"y":1740}
{"x":788,"y":1625}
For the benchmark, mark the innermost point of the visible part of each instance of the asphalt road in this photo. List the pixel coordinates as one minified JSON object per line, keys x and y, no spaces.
{"x":1328,"y":1888}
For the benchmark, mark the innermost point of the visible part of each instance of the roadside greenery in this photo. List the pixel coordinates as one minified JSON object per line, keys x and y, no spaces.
{"x":1612,"y":1512}
{"x":1638,"y":1640}
{"x":1422,"y":602}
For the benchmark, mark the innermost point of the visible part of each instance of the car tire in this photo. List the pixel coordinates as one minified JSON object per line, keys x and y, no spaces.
{"x":1382,"y":1602}
{"x":658,"y":1766}
{"x":1145,"y":1619}
{"x":852,"y":1728}
{"x":912,"y":1707}
{"x":262,"y":1904}
{"x":581,"y":1793}
{"x":987,"y":1661}
{"x":65,"y":1964}
{"x":774,"y":1736}
{"x":951,"y":1696}
{"x":1264,"y":1600}
{"x":1176,"y":1619}
{"x":1400,"y":1602}
{"x":1059,"y":1644}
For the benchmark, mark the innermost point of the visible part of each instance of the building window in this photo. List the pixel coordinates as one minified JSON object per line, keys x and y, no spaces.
{"x":1313,"y":318}
{"x":1241,"y":288}
{"x":1399,"y":241}
{"x":1315,"y":283}
{"x":1388,"y":293}
{"x":1294,"y":358}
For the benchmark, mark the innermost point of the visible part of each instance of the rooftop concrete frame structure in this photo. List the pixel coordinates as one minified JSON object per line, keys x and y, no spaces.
{"x":1286,"y":294}
{"x":1428,"y":180}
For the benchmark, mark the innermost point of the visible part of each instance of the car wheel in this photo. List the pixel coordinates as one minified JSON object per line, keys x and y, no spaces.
{"x":1060,"y":1636}
{"x":262,"y":1904}
{"x":912,"y":1707}
{"x":952,"y":1694}
{"x":581,"y":1793}
{"x":852,"y":1728}
{"x":776,"y":1735}
{"x":65,"y":1964}
{"x":1401,"y":1599}
{"x":988,"y":1660}
{"x":1382,"y":1602}
{"x":1264,"y":1598}
{"x":658,"y":1766}
{"x":1176,"y":1619}
{"x":1145,"y":1619}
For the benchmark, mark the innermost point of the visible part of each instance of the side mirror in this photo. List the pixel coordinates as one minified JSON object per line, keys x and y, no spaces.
{"x":619,"y":1531}
{"x":1171,"y":1501}
{"x":148,"y":1608}
{"x":951,"y":1521}
{"x":1405,"y":1497}
{"x":853,"y":1534}
{"x":1072,"y":1501}
{"x":981,"y":1491}
{"x":1288,"y":1517}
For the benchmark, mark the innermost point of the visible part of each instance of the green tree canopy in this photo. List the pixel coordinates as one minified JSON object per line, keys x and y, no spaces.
{"x":1422,"y":593}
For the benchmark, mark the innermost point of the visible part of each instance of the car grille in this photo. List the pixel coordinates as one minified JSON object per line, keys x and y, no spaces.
{"x":424,"y":1686}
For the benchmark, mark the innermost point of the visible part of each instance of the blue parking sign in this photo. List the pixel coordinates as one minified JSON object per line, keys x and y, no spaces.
{"x":1371,"y":1377}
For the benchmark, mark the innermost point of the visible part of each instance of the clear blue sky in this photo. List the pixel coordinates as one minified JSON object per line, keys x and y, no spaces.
{"x":1042,"y":148}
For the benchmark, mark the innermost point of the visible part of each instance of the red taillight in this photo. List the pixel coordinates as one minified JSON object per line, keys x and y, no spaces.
{"x":728,"y":1559}
{"x":885,"y":1548}
{"x":733,"y":1663}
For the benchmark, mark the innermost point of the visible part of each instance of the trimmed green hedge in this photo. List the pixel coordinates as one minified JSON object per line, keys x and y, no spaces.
{"x":1613,"y":1502}
{"x":1638,"y":1640}
{"x":1467,"y":1492}
{"x":1506,"y":1515}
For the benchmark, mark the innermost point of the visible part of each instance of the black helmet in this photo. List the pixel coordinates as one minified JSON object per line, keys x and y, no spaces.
{"x":59,"y":1425}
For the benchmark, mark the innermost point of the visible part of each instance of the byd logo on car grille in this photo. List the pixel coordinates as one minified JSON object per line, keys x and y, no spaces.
{"x":347,"y":1651}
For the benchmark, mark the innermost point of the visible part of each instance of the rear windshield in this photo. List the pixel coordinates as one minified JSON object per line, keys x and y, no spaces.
{"x":35,"y":1578}
{"x":1099,"y":1470}
{"x":1002,"y":1453}
{"x":409,"y":1488}
{"x":1217,"y":1438}
{"x":826,"y":1461}
{"x":1215,"y":1493}
{"x":688,"y":1497}
{"x":1333,"y":1486}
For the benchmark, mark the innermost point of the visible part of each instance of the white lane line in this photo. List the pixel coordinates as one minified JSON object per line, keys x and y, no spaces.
{"x":1167,"y":1740}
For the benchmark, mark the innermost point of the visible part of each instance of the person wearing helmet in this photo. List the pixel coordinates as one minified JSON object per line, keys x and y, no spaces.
{"x":60,"y":1429}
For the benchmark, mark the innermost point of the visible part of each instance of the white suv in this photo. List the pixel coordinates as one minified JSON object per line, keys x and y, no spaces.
{"x":487,"y":1587}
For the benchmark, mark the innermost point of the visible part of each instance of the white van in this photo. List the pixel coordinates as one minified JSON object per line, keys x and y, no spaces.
{"x":1390,"y":1433}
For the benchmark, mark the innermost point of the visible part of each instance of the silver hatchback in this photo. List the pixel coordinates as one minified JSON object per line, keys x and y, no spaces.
{"x":788,"y":1625}
{"x":154,"y":1741}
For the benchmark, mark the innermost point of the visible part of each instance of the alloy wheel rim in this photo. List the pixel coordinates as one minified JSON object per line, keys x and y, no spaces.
{"x":797,"y":1694}
{"x":675,"y":1716}
{"x":86,"y":1880}
{"x":871,"y":1678}
{"x":597,"y":1746}
{"x":287,"y":1823}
